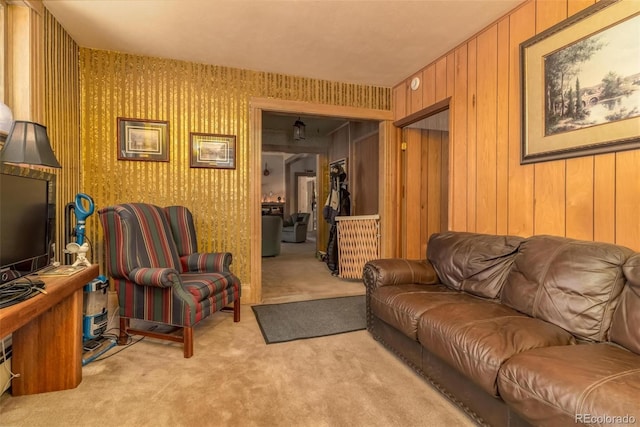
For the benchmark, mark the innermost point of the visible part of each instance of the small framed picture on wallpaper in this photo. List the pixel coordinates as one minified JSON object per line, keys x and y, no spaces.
{"x":209,"y":150}
{"x":140,"y":139}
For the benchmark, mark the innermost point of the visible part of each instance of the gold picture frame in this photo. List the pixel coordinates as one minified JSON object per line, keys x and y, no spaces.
{"x":140,"y":139}
{"x":210,"y":150}
{"x":580,"y":89}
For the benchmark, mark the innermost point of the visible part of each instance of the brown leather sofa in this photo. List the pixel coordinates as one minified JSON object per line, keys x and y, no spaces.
{"x":537,"y":331}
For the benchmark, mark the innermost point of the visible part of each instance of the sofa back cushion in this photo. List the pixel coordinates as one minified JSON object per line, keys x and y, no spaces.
{"x":625,"y":329}
{"x":571,"y":283}
{"x":472,"y":262}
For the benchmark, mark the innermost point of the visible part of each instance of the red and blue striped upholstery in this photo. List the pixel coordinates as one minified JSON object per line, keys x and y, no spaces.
{"x":182,"y":228}
{"x":158,"y":273}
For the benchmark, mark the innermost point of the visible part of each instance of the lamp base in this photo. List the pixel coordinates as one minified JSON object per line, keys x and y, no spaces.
{"x":81,"y":250}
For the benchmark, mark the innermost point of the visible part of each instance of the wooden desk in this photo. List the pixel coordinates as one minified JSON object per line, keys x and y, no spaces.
{"x":47,"y":335}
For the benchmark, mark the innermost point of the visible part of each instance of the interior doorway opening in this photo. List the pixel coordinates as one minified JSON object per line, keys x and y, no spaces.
{"x":425,"y":180}
{"x":252,"y":286}
{"x":307,"y":200}
{"x":292,"y":182}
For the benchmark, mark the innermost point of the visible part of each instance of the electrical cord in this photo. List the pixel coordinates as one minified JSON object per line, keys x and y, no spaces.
{"x":5,"y":357}
{"x":19,"y":290}
{"x":130,"y":342}
{"x":90,"y":245}
{"x":126,"y":346}
{"x":114,"y":313}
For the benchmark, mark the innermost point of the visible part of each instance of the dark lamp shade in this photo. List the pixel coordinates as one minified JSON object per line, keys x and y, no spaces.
{"x":28,"y":143}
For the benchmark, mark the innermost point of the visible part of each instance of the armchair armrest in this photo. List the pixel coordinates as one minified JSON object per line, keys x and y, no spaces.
{"x":207,"y":262}
{"x":398,"y":271}
{"x":158,"y":277}
{"x":291,"y":228}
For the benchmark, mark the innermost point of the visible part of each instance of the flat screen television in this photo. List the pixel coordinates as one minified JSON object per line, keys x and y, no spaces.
{"x":27,"y":217}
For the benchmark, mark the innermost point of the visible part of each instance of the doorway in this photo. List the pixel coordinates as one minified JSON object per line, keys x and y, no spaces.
{"x":253,"y":289}
{"x":425,"y":179}
{"x":306,"y":200}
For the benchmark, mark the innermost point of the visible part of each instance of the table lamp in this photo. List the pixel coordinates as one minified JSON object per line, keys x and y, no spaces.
{"x":28,"y":143}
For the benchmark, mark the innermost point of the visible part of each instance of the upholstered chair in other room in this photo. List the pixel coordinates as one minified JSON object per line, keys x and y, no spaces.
{"x":295,"y":228}
{"x":159,"y":274}
{"x":271,"y":235}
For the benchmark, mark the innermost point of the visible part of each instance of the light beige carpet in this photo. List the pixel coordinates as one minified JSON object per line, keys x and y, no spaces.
{"x":297,"y":275}
{"x":235,"y":379}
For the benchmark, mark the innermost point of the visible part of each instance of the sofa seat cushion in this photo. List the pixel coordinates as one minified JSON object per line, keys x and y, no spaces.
{"x":554,"y":386}
{"x":477,"y":336}
{"x":402,"y":305}
{"x":206,"y":285}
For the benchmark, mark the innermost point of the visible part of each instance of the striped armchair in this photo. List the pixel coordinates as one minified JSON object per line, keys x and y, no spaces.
{"x":159,"y":274}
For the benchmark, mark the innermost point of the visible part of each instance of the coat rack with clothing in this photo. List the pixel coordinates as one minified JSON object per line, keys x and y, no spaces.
{"x":338,"y":204}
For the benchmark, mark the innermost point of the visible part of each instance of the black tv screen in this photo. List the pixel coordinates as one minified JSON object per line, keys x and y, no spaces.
{"x":25,"y":225}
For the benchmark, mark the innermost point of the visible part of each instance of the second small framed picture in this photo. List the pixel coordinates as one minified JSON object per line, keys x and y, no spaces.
{"x":140,"y":139}
{"x":209,"y":150}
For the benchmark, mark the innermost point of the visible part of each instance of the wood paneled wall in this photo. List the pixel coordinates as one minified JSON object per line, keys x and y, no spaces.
{"x":424,"y":201}
{"x":591,"y":197}
{"x":363,"y":175}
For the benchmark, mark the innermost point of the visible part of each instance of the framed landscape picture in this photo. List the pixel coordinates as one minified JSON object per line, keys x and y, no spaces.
{"x":143,"y":140}
{"x":210,"y":150}
{"x":581,"y":84}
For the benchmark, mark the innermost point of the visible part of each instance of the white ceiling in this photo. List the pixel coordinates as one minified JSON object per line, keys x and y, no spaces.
{"x":377,"y":42}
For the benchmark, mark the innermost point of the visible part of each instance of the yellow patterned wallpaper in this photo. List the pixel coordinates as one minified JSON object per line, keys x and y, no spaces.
{"x":62,"y":116}
{"x":192,"y":98}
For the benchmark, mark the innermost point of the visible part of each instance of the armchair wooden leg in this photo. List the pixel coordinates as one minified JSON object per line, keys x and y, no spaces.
{"x":123,"y":337}
{"x":236,"y":310}
{"x":187,"y":334}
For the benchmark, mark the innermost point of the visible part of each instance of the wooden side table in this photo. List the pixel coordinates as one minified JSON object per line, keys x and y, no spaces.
{"x":47,"y":335}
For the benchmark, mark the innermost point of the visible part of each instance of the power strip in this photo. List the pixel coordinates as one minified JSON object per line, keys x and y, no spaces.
{"x":97,"y":348}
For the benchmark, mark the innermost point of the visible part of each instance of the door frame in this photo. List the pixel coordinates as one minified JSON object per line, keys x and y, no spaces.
{"x":296,"y":190}
{"x":389,"y":155}
{"x":401,"y":124}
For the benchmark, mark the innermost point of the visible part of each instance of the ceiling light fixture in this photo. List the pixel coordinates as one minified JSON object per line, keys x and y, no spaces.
{"x":299,"y":130}
{"x":28,"y":143}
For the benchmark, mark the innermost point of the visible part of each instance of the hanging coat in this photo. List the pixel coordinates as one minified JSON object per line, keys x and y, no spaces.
{"x":338,"y":204}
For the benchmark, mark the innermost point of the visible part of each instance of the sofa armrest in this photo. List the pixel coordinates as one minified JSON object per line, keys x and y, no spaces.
{"x":207,"y":262}
{"x":398,"y":271}
{"x":158,"y":277}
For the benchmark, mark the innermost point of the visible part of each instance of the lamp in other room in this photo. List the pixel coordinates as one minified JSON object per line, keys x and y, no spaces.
{"x":28,"y":143}
{"x":299,"y":130}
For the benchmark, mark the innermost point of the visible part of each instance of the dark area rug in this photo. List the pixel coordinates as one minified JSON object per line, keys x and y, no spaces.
{"x":309,"y":319}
